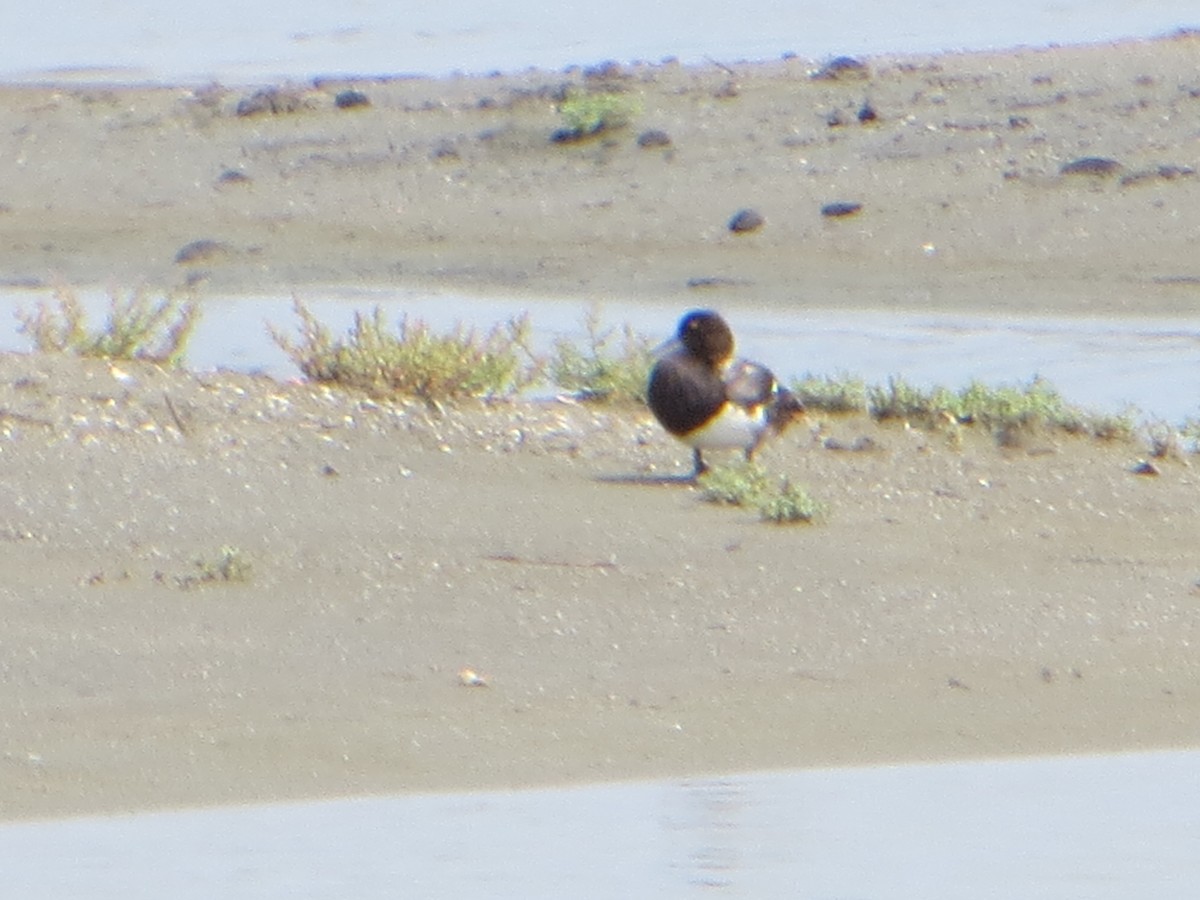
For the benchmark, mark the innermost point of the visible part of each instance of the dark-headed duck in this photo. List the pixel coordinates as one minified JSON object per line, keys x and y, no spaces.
{"x":711,"y":401}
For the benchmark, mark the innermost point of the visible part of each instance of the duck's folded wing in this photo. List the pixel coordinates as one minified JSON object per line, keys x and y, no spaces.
{"x":748,"y":384}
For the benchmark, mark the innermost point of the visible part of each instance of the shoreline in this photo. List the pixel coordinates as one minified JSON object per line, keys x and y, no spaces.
{"x":585,"y":56}
{"x":1115,"y":365}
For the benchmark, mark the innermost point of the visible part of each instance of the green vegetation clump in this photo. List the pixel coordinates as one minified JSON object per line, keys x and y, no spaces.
{"x":748,"y":484}
{"x":230,"y":566}
{"x":414,"y":361}
{"x":598,"y":372}
{"x":136,"y":328}
{"x":843,"y":394}
{"x":587,"y":113}
{"x":1006,"y":411}
{"x":900,"y":400}
{"x":737,"y":485}
{"x":789,"y":503}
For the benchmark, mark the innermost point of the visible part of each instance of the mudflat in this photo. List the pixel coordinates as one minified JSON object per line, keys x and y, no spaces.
{"x":219,"y":588}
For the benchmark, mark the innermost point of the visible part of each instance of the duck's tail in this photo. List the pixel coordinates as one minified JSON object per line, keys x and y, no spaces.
{"x":784,"y":410}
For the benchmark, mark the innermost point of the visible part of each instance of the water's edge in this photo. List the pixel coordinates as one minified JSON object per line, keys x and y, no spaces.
{"x":1066,"y":828}
{"x":1103,"y":365}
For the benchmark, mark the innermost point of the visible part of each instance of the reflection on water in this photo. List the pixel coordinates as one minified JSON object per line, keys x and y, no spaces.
{"x":1105,"y":365}
{"x":1092,"y":828}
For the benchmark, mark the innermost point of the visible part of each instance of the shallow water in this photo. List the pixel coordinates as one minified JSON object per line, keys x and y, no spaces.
{"x":1124,"y":827}
{"x":1103,"y":365}
{"x":237,"y":42}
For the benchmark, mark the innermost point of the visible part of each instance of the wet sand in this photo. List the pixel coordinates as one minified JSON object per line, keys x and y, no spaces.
{"x":960,"y":600}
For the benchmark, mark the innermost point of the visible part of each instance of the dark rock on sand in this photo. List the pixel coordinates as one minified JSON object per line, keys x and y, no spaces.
{"x":1158,"y":173}
{"x":233,"y":176}
{"x":203,"y":250}
{"x":445,"y":151}
{"x":843,"y":68}
{"x":746,"y":220}
{"x":351,"y":99}
{"x":654,"y":138}
{"x":1100,"y":166}
{"x":840,"y":209}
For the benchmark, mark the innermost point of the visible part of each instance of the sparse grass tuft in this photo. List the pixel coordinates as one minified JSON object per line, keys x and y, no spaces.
{"x":230,"y":566}
{"x":1111,"y":427}
{"x":789,"y":503}
{"x":900,"y":400}
{"x":1166,"y":442}
{"x":596,"y":373}
{"x":1007,"y":411}
{"x":1189,"y":431}
{"x":136,"y":328}
{"x":737,"y":485}
{"x":587,"y":113}
{"x":843,"y":394}
{"x":414,"y":361}
{"x":748,"y":484}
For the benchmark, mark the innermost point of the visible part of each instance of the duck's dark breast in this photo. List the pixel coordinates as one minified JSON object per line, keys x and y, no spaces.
{"x":684,"y":394}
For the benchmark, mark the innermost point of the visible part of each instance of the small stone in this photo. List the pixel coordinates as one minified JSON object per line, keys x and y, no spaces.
{"x":654,"y":138}
{"x":202,"y":250}
{"x":840,"y":209}
{"x":866,"y":113}
{"x":233,"y":176}
{"x":1164,"y":173}
{"x":746,"y":220}
{"x":1092,"y":165}
{"x":842,"y":68}
{"x":351,"y":99}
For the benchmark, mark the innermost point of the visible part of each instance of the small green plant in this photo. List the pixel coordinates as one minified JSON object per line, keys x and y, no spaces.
{"x":844,"y":394}
{"x":789,"y":503}
{"x":587,"y":113}
{"x":136,"y":328}
{"x":748,"y":484}
{"x":1007,"y":411}
{"x":414,"y":361}
{"x":737,"y":485}
{"x":230,"y":566}
{"x":900,"y":400}
{"x":1119,"y":427}
{"x":597,"y":372}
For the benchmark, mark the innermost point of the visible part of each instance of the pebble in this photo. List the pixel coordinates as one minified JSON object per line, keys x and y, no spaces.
{"x":746,"y":220}
{"x":1091,"y":165}
{"x":840,"y":209}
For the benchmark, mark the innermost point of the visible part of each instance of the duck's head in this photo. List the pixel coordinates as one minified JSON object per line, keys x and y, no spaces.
{"x":706,"y":336}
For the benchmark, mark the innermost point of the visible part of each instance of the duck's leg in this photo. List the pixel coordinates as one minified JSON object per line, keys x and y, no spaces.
{"x":699,"y":466}
{"x":753,"y":448}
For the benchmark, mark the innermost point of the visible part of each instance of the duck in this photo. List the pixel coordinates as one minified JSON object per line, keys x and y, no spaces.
{"x":708,"y":399}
